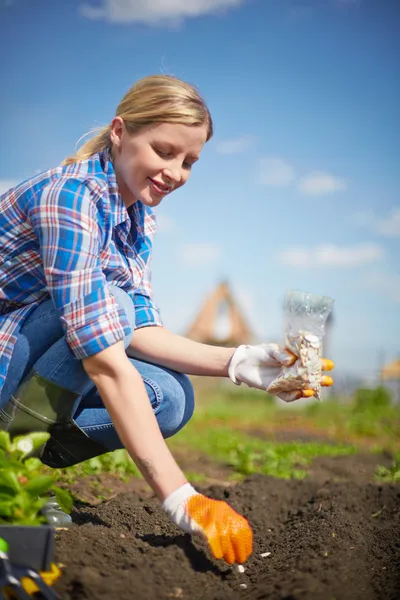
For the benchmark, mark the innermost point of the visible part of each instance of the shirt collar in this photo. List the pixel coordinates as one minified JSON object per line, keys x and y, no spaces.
{"x":119,"y":209}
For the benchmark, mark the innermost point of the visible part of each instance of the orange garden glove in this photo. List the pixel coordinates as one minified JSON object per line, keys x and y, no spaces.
{"x":228,"y":534}
{"x":276,"y":370}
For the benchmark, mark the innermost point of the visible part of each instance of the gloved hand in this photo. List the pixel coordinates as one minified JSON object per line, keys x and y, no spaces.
{"x":228,"y":534}
{"x":259,"y":366}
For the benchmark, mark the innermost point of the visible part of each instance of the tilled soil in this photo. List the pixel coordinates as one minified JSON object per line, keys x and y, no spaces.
{"x":328,"y":539}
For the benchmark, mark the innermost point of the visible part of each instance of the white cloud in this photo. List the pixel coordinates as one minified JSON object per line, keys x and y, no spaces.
{"x":154,"y":12}
{"x":275,"y":172}
{"x":235,"y":145}
{"x":331,"y":256}
{"x":320,"y":183}
{"x":6,"y":184}
{"x":198,"y":255}
{"x":165,"y":224}
{"x":386,"y":284}
{"x":388,"y":226}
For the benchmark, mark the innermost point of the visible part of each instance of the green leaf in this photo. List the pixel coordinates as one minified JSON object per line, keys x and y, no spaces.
{"x":13,"y":465}
{"x":39,"y":438}
{"x":30,"y":520}
{"x":33,"y":464}
{"x":6,"y":494}
{"x":23,"y":501}
{"x":6,"y":508}
{"x":3,"y":545}
{"x":9,"y":480}
{"x":27,"y":444}
{"x":3,"y":459}
{"x":38,"y":504}
{"x":5,"y":442}
{"x":64,"y":499}
{"x":39,"y":485}
{"x":93,"y":465}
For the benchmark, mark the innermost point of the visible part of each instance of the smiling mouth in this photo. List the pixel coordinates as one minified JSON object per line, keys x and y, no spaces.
{"x":160,"y":188}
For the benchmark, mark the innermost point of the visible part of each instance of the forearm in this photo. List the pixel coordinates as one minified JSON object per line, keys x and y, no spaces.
{"x":161,"y":346}
{"x":126,"y":400}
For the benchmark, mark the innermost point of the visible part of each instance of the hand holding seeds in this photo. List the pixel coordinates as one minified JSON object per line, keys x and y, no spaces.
{"x":306,"y":315}
{"x":304,"y":378}
{"x":287,"y":373}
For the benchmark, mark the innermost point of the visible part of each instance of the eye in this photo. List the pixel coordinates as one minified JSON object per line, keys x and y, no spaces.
{"x":188,"y":165}
{"x":161,"y":152}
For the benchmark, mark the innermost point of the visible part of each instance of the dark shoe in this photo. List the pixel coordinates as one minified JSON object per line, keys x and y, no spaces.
{"x":69,"y":445}
{"x":55,"y":516}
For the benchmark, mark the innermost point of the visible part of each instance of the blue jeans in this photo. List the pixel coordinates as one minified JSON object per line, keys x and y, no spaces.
{"x":41,"y":347}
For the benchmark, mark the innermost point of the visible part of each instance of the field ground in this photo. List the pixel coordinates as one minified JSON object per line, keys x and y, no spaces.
{"x":320,"y":485}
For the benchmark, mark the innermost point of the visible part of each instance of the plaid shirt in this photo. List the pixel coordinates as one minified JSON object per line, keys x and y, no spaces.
{"x":66,"y":234}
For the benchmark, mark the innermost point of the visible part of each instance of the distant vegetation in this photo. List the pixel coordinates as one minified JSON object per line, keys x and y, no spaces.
{"x":242,"y":429}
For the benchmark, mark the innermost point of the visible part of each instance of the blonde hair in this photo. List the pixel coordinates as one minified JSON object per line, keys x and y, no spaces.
{"x":153,"y":99}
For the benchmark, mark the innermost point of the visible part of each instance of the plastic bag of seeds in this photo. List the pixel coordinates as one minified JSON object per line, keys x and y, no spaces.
{"x":305,"y":319}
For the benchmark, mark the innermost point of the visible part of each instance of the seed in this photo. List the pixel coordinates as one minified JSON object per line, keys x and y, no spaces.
{"x":327,"y":365}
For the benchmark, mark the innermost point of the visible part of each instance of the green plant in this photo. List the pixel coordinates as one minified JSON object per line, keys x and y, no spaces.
{"x":23,"y":485}
{"x":390,"y":474}
{"x":247,"y":454}
{"x":372,"y":399}
{"x":244,"y":460}
{"x":117,"y":462}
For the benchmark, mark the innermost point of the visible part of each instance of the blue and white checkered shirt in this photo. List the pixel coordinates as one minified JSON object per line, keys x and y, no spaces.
{"x":66,"y":234}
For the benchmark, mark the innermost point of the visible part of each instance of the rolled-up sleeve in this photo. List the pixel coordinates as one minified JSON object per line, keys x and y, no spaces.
{"x":69,"y":230}
{"x":146,"y":312}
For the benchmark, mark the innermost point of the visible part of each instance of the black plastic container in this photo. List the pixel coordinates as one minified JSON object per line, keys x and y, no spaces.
{"x":31,"y":547}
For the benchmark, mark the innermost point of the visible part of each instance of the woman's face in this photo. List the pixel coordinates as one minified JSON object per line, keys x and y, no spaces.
{"x":152,"y":163}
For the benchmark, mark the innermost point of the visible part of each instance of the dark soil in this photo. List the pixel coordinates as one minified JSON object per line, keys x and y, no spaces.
{"x":330,"y":537}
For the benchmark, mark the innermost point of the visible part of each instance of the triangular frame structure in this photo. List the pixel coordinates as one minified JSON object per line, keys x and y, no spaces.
{"x":391,"y":372}
{"x":202,"y":328}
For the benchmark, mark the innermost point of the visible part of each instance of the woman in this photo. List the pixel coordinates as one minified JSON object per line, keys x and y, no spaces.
{"x":83,"y":353}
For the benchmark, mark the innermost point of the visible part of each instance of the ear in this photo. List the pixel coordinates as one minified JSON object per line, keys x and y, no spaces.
{"x":117,"y":128}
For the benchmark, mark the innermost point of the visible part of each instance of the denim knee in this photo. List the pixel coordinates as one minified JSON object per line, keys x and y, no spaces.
{"x":178,"y":404}
{"x":172,"y":398}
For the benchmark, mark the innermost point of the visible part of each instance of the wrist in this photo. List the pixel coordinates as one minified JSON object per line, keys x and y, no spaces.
{"x":234,"y":362}
{"x":178,"y":497}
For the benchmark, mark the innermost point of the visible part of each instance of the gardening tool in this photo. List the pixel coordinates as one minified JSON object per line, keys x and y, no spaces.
{"x":25,"y":570}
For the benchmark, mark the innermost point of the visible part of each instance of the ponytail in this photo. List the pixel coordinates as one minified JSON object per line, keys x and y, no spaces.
{"x":99,"y":142}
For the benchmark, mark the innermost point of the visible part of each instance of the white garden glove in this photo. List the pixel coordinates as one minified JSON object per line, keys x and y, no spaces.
{"x":229,"y":535}
{"x":260,"y":366}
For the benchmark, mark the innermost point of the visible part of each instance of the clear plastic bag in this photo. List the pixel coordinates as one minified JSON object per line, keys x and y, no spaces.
{"x":305,"y":312}
{"x":305,"y":320}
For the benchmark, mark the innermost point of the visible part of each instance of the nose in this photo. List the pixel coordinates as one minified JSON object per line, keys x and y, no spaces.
{"x":173,"y":172}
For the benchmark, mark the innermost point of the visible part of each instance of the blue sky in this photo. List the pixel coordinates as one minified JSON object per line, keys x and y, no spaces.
{"x":299,"y":188}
